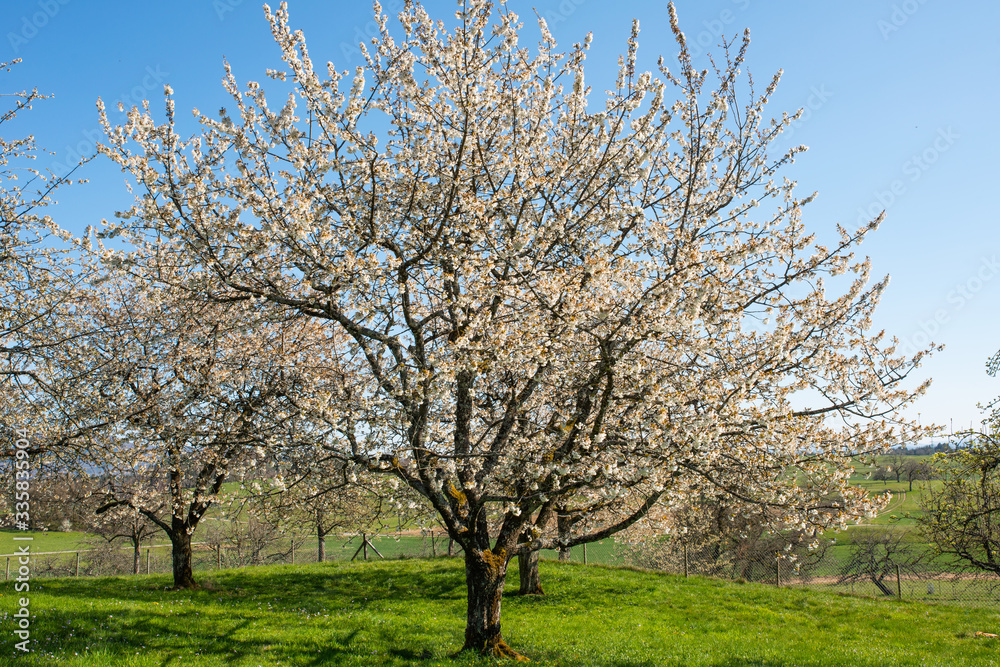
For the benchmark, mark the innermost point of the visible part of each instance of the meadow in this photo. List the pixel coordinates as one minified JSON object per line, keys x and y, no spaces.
{"x":411,"y":612}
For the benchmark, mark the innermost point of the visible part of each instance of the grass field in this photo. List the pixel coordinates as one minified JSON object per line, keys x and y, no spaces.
{"x":397,"y":613}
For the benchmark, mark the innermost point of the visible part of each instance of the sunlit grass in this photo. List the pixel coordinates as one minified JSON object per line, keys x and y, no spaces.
{"x":412,"y":613}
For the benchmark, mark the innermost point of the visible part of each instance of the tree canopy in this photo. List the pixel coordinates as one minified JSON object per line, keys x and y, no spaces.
{"x":548,"y":302}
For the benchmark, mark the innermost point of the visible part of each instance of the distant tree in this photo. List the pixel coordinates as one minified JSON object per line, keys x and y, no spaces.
{"x":894,"y":463}
{"x":125,"y":524}
{"x":914,"y":470}
{"x":715,"y":538}
{"x":961,"y":515}
{"x":876,"y":553}
{"x":882,"y":474}
{"x":325,"y":495}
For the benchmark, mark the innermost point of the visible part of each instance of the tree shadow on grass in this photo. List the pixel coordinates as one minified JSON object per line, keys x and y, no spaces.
{"x":246,"y":614}
{"x":358,"y":583}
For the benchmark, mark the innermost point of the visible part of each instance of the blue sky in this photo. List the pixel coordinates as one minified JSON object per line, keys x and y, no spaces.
{"x":900,"y":96}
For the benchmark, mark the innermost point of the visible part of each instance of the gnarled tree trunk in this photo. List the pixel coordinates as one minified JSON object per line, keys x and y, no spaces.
{"x":180,"y":541}
{"x":485,"y":575}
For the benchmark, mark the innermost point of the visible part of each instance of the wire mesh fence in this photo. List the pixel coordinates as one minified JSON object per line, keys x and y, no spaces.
{"x":835,"y":569}
{"x":105,"y":560}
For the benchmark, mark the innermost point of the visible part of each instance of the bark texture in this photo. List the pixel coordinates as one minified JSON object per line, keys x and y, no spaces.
{"x":181,"y":553}
{"x":485,"y":575}
{"x":527,"y":569}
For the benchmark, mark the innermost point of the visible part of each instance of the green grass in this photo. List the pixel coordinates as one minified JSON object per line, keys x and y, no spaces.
{"x":44,"y":541}
{"x":397,"y":613}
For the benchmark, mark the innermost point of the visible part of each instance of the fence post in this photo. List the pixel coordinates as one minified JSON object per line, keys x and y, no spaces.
{"x":777,"y":572}
{"x":293,"y":551}
{"x":7,"y":576}
{"x":584,"y":553}
{"x":899,"y":586}
{"x":218,"y":557}
{"x":78,"y":563}
{"x":147,"y":560}
{"x":685,"y":560}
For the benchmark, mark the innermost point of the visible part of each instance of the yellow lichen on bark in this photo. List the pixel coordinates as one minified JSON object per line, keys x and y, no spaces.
{"x":452,"y":491}
{"x":495,"y":561}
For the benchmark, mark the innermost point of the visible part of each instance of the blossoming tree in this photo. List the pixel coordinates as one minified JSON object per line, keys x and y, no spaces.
{"x":184,"y":397}
{"x":39,"y":279}
{"x":552,"y":305}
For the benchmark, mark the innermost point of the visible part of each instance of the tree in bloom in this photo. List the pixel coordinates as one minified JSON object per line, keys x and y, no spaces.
{"x":552,"y":307}
{"x":183,"y":397}
{"x":38,"y":277}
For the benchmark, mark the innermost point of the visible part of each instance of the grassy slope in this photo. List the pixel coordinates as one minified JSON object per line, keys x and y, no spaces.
{"x":412,"y":613}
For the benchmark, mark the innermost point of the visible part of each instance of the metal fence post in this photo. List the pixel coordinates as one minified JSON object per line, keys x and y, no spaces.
{"x":685,"y":560}
{"x":777,"y":572}
{"x":218,"y":557}
{"x":899,"y":586}
{"x":7,"y":576}
{"x":78,"y":563}
{"x":293,"y":551}
{"x":147,"y":560}
{"x":584,"y":553}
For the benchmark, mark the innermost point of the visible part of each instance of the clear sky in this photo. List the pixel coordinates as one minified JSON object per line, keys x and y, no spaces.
{"x":901,"y":99}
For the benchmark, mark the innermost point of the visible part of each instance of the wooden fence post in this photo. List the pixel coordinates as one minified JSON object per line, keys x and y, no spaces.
{"x":7,"y":576}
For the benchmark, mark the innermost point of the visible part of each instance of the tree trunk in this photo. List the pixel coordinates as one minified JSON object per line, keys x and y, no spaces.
{"x":527,"y":569}
{"x":485,"y":574}
{"x":563,"y":525}
{"x":881,"y":586}
{"x":320,"y":544}
{"x":180,"y":541}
